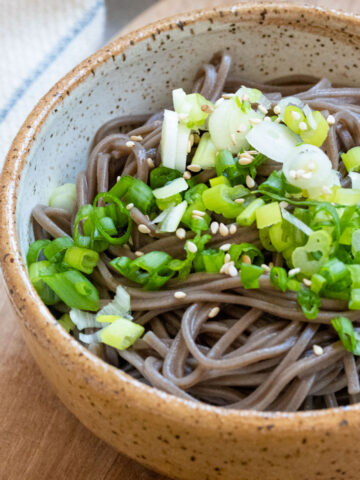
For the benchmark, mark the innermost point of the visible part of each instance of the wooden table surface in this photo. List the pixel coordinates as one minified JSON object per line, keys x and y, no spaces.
{"x":39,"y":438}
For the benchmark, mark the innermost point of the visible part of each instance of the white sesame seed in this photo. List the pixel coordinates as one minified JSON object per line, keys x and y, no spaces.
{"x":225,"y":247}
{"x":239,"y":200}
{"x":187,"y":175}
{"x":213,"y":312}
{"x":246,"y":259}
{"x":293,"y":272}
{"x":227,"y":258}
{"x":307,"y":282}
{"x":224,"y":231}
{"x":191,"y":247}
{"x":129,"y":206}
{"x":194,"y":168}
{"x":245,"y":155}
{"x":118,"y":178}
{"x":331,"y":120}
{"x":242,"y":128}
{"x":196,"y":217}
{"x":233,"y":271}
{"x":225,"y":268}
{"x":179,"y":295}
{"x":136,"y":138}
{"x":278,"y":120}
{"x":277,"y":109}
{"x":199,"y":212}
{"x":130,"y":144}
{"x":263,"y":109}
{"x":143,"y":228}
{"x":227,"y":95}
{"x":206,"y":108}
{"x":267,"y":119}
{"x":250,"y":183}
{"x":326,"y":190}
{"x":150,"y":162}
{"x":303,"y":126}
{"x":138,"y":253}
{"x":214,"y":227}
{"x":189,"y":146}
{"x":265,"y":267}
{"x":318,"y":350}
{"x":295,"y":115}
{"x":244,"y":161}
{"x":180,"y":233}
{"x":255,"y":121}
{"x":232,"y":229}
{"x":252,"y":152}
{"x":283,"y":204}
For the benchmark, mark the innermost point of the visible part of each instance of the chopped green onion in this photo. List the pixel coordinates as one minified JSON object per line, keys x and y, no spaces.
{"x":210,"y":261}
{"x":122,"y":214}
{"x":351,"y":159}
{"x":277,"y":183}
{"x":108,"y":318}
{"x":82,"y":259}
{"x":247,"y":216}
{"x":296,"y":222}
{"x":354,"y":302}
{"x":64,"y":197}
{"x":268,"y":215}
{"x":221,"y":180}
{"x":172,"y":188}
{"x":355,"y":245}
{"x":316,"y":136}
{"x":334,"y":271}
{"x":133,"y":190}
{"x":56,"y":249}
{"x":347,"y":196}
{"x":75,"y":290}
{"x":318,"y":282}
{"x":37,"y":271}
{"x":221,"y":199}
{"x":182,"y":143}
{"x":309,"y":302}
{"x":250,"y":274}
{"x":348,"y":336}
{"x":35,"y":250}
{"x":169,"y":138}
{"x":189,"y":107}
{"x":121,"y":334}
{"x":293,"y":116}
{"x":172,"y":217}
{"x":205,"y":153}
{"x":279,"y":278}
{"x":237,"y":251}
{"x":66,"y":322}
{"x":120,"y":305}
{"x":313,"y":254}
{"x":159,"y":176}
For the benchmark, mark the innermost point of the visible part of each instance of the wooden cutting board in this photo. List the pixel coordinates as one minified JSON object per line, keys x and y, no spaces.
{"x":39,"y":438}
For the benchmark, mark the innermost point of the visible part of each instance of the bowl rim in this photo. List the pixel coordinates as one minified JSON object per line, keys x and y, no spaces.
{"x":35,"y":316}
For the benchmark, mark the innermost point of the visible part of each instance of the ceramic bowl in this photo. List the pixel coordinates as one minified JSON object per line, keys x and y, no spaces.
{"x":136,"y":74}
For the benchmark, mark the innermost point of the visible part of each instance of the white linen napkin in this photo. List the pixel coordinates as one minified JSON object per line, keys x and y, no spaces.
{"x":40,"y":41}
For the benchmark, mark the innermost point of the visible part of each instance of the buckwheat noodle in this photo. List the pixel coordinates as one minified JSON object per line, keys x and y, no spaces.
{"x":257,"y":353}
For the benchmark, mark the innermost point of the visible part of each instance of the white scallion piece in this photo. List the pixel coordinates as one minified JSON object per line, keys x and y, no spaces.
{"x":178,"y":96}
{"x":169,"y":138}
{"x":307,"y":166}
{"x":309,"y":116}
{"x":64,"y":197}
{"x":120,"y":305}
{"x":172,"y":188}
{"x":228,"y":126}
{"x":182,"y":140}
{"x":273,"y":140}
{"x":84,"y":319}
{"x":355,"y":180}
{"x":91,"y":337}
{"x":289,"y":217}
{"x":173,"y":217}
{"x":284,"y":102}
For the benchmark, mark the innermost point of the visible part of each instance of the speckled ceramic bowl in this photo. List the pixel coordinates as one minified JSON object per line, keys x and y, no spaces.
{"x":136,"y":74}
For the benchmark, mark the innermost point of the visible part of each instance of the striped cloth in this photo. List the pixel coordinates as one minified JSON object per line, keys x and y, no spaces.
{"x":41,"y":40}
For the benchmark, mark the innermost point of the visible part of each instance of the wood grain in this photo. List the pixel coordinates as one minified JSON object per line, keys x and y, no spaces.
{"x":39,"y":438}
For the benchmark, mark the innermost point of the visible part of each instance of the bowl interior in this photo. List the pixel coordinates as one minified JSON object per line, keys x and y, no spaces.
{"x":264,"y":44}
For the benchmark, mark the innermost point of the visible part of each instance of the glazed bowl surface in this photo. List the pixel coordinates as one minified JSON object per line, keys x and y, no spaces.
{"x":135,"y":74}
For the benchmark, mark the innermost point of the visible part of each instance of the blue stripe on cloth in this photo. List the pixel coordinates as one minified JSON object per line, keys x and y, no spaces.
{"x":50,"y":58}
